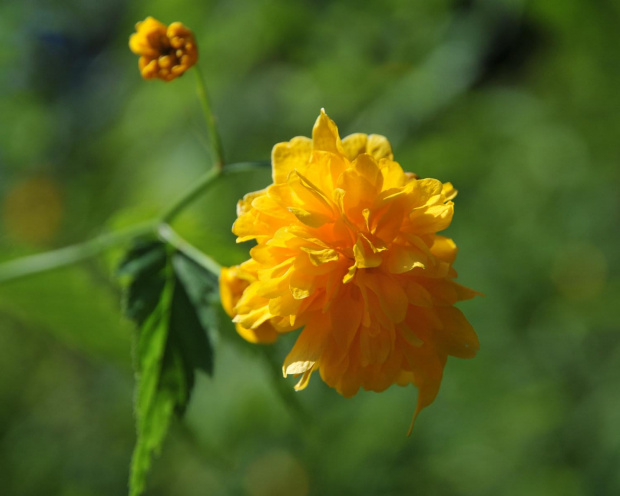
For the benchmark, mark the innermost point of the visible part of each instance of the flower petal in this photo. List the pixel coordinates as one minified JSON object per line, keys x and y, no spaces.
{"x":392,"y":297}
{"x":427,"y":367}
{"x":309,"y":346}
{"x":285,"y":157}
{"x":457,"y":337}
{"x":264,"y":334}
{"x":432,"y":219}
{"x":402,"y":258}
{"x":366,"y":166}
{"x":379,"y":147}
{"x":346,"y":318}
{"x":354,"y":144}
{"x":444,"y":249}
{"x":311,"y":219}
{"x":325,"y":135}
{"x":347,"y":250}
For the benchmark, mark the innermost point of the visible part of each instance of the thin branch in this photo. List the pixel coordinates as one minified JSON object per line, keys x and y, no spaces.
{"x":214,"y":135}
{"x":68,"y":255}
{"x":190,"y":195}
{"x":170,"y":236}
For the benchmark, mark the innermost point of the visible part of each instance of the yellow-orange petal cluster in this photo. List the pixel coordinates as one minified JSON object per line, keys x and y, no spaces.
{"x":166,"y":52}
{"x":347,"y":249}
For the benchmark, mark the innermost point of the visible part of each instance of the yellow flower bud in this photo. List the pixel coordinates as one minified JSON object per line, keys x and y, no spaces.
{"x":165,"y":52}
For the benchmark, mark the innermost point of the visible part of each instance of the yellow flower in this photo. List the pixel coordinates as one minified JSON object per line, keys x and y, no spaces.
{"x":165,"y":52}
{"x":347,"y":248}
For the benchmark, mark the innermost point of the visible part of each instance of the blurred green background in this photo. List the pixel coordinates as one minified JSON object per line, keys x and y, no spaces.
{"x":517,"y":103}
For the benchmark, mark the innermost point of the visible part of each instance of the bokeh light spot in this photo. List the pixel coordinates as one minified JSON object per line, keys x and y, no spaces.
{"x":32,"y":210}
{"x":579,"y":272}
{"x":276,"y":473}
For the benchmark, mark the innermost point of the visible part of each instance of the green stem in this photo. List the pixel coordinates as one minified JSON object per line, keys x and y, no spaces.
{"x":202,"y":184}
{"x":171,"y":237}
{"x":70,"y":254}
{"x":66,"y":256}
{"x":190,"y":195}
{"x":214,"y":135}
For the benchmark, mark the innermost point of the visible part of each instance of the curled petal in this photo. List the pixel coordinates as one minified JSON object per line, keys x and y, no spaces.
{"x":308,"y":347}
{"x":263,"y":334}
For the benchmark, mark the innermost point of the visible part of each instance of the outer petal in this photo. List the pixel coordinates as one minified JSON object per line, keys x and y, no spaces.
{"x":309,"y":346}
{"x":233,"y":282}
{"x":231,"y":288}
{"x":456,"y":336}
{"x":393,"y":174}
{"x":427,"y":366}
{"x":379,"y":147}
{"x":376,"y":145}
{"x":325,"y":135}
{"x":285,"y":157}
{"x":354,"y":144}
{"x":263,"y":334}
{"x":432,"y":219}
{"x":444,"y":249}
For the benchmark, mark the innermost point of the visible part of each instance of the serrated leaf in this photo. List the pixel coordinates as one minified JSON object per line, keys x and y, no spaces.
{"x":191,"y":309}
{"x":146,"y":263}
{"x":142,"y":257}
{"x":169,"y":298}
{"x":155,"y":398}
{"x":202,"y":287}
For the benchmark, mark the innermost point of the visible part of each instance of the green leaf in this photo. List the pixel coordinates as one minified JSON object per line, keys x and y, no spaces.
{"x":145,"y":263}
{"x":169,"y":297}
{"x":193,"y":313}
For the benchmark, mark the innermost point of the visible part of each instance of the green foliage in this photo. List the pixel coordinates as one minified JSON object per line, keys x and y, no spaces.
{"x":168,"y":298}
{"x":516,"y":103}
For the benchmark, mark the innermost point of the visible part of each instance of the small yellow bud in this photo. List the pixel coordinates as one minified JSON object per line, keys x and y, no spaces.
{"x":165,"y":52}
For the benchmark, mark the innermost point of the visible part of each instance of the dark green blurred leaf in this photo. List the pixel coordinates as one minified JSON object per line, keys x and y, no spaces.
{"x":143,"y":256}
{"x":145,"y":263}
{"x":169,"y":298}
{"x":192,"y":312}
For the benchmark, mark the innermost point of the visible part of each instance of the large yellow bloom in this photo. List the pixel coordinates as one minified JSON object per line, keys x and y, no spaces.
{"x":347,"y":248}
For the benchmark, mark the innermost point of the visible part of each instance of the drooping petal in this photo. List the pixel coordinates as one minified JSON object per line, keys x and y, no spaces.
{"x":446,"y":292}
{"x":426,"y":365}
{"x":456,"y":336}
{"x":309,"y":346}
